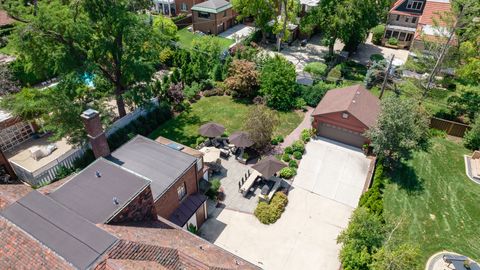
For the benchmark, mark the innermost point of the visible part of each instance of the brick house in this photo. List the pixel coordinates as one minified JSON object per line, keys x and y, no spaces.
{"x":213,"y":16}
{"x":13,"y":130}
{"x":344,"y":114}
{"x":175,"y":7}
{"x":413,"y":21}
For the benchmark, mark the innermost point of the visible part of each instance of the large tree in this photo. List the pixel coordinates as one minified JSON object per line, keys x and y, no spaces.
{"x":277,"y":83}
{"x":242,"y":79}
{"x":263,"y":11}
{"x":109,"y":40}
{"x":402,"y":127}
{"x":260,"y":124}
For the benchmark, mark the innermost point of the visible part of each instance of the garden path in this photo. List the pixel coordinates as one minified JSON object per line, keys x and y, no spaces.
{"x":295,"y":134}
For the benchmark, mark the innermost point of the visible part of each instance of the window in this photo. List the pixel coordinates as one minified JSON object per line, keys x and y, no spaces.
{"x":344,"y":115}
{"x":402,"y":36}
{"x":388,"y":34}
{"x":199,"y":164}
{"x":398,"y":17}
{"x":184,"y":7}
{"x":417,"y":5}
{"x":414,"y":19}
{"x":204,"y":15}
{"x":409,"y":37}
{"x":406,"y":19}
{"x":225,"y":13}
{"x":181,"y":191}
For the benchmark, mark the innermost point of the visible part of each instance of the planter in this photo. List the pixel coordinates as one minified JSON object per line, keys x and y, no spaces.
{"x":391,"y":46}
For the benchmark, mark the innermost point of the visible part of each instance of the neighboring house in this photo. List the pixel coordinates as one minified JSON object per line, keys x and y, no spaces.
{"x":174,"y":7}
{"x":344,"y":114}
{"x":5,"y":20}
{"x":13,"y":131}
{"x":412,"y":21}
{"x":213,"y":16}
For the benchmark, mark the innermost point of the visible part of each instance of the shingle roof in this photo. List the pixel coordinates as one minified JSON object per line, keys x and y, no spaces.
{"x":355,"y":100}
{"x":10,"y":193}
{"x":113,"y":182}
{"x":212,"y":6}
{"x":187,"y":208}
{"x":73,"y":238}
{"x":433,"y":10}
{"x":19,"y":250}
{"x":190,"y":248}
{"x":159,"y":163}
{"x":5,"y":19}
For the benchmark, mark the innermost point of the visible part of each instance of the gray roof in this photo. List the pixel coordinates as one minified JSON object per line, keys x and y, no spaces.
{"x":212,"y":6}
{"x":187,"y":209}
{"x":92,"y":197}
{"x":157,"y":162}
{"x":72,"y":237}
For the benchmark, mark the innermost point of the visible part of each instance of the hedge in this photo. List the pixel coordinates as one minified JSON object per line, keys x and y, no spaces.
{"x":268,"y":213}
{"x":373,"y":198}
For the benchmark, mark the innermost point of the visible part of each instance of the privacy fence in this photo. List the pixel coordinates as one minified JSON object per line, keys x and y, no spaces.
{"x":450,"y":127}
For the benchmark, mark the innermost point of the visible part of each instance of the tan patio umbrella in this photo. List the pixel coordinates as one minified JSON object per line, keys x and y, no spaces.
{"x":269,"y":166}
{"x":240,"y":139}
{"x":211,"y":130}
{"x":210,"y":154}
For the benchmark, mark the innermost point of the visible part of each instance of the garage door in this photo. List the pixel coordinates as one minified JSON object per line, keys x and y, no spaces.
{"x":341,"y":135}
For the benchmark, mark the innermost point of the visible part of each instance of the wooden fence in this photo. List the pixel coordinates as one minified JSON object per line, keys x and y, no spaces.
{"x":452,"y":128}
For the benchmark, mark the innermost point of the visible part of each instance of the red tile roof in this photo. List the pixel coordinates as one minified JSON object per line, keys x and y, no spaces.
{"x":5,"y":19}
{"x":18,"y":250}
{"x":433,"y":10}
{"x":10,"y":193}
{"x":355,"y":100}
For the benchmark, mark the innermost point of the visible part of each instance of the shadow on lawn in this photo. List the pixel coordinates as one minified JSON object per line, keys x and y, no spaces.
{"x":174,"y":129}
{"x":407,"y":179}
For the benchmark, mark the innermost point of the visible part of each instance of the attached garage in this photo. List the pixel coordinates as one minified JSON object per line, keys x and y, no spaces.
{"x":344,"y":114}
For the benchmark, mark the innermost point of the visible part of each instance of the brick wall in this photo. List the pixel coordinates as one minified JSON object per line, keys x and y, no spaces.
{"x":210,"y":25}
{"x":189,"y":3}
{"x":139,"y":209}
{"x":169,"y":201}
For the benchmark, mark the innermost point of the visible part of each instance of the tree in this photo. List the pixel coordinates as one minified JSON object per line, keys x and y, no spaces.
{"x":260,"y":124}
{"x":7,"y":81}
{"x":166,"y":26}
{"x":261,"y":10}
{"x":364,"y":234}
{"x":277,"y":83}
{"x":243,"y":79}
{"x":107,"y":39}
{"x":402,"y":127}
{"x":469,"y":71}
{"x":465,"y":102}
{"x":471,"y":139}
{"x":396,"y":257}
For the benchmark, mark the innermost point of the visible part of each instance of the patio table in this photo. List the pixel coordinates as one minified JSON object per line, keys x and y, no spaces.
{"x":249,"y":182}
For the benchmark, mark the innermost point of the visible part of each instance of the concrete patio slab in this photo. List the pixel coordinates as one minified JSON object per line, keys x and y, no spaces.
{"x":238,"y":32}
{"x":334,"y":171}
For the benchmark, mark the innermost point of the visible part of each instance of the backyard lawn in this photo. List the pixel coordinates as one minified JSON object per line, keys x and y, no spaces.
{"x":223,"y":110}
{"x":186,"y":37}
{"x":438,"y":203}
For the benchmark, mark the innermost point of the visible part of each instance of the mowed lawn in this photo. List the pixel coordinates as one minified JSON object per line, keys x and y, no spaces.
{"x":439,"y":204}
{"x":186,"y":37}
{"x":220,"y":109}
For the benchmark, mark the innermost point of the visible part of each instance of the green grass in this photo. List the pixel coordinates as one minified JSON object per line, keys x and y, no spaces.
{"x":220,"y":109}
{"x":439,"y":204}
{"x":186,"y":37}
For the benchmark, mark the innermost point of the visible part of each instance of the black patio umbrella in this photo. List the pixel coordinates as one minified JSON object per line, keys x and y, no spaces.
{"x":211,"y":130}
{"x":269,"y":166}
{"x":240,"y":139}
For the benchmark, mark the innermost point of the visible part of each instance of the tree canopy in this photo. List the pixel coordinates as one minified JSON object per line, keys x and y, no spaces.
{"x":277,"y":83}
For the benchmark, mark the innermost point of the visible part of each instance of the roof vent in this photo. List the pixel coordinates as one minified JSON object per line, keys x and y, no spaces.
{"x":115,"y":201}
{"x":98,"y":174}
{"x":175,"y":146}
{"x":353,"y":101}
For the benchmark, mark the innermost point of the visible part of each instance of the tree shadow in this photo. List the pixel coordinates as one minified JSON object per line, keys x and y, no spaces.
{"x":406,"y":178}
{"x":174,"y":129}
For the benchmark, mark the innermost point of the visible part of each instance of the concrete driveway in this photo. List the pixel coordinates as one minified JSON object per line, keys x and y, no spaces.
{"x":238,"y":32}
{"x":305,"y":236}
{"x":333,"y":170}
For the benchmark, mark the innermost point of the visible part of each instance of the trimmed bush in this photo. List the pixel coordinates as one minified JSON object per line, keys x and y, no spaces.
{"x":298,"y":146}
{"x":212,"y":192}
{"x":288,"y":172}
{"x":268,"y":213}
{"x":317,"y":69}
{"x":277,"y":140}
{"x":377,"y":34}
{"x":286,"y":157}
{"x":293,"y":164}
{"x":392,"y":41}
{"x":373,"y":198}
{"x":307,"y":134}
{"x":297,"y":155}
{"x":288,"y":150}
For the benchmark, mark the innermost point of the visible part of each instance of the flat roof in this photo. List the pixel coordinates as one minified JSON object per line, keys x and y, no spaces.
{"x":92,"y":197}
{"x":159,"y":163}
{"x":72,"y":237}
{"x":212,"y":6}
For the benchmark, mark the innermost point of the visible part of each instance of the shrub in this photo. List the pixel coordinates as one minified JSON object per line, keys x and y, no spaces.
{"x":212,"y":192}
{"x":213,"y":92}
{"x":298,"y":146}
{"x":306,"y":135}
{"x":376,"y":57}
{"x":317,"y":69}
{"x":471,"y":139}
{"x":392,"y":41}
{"x":300,"y":103}
{"x":276,"y":140}
{"x":293,"y":164}
{"x":297,"y":155}
{"x":373,"y":198}
{"x":243,"y":79}
{"x":335,"y":74}
{"x":288,"y":150}
{"x":268,"y":213}
{"x":191,"y":92}
{"x":63,"y":172}
{"x":286,"y":157}
{"x":288,"y":172}
{"x":377,"y":34}
{"x":313,"y":94}
{"x":200,"y":140}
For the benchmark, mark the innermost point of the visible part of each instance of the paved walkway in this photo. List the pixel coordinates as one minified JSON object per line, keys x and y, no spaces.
{"x":295,"y":134}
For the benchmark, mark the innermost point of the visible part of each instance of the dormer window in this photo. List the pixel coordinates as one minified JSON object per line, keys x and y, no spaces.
{"x":344,"y":115}
{"x":416,"y":5}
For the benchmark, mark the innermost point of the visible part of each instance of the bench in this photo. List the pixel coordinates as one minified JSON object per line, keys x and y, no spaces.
{"x":249,"y":183}
{"x":456,"y":260}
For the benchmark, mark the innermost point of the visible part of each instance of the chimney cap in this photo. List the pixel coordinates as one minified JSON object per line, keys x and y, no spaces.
{"x":90,"y":113}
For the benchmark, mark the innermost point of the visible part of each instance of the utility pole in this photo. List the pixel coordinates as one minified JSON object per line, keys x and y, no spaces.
{"x":387,"y":73}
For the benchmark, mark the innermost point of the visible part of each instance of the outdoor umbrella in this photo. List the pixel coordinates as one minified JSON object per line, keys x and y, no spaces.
{"x":269,"y":166}
{"x":211,"y":130}
{"x":240,"y":139}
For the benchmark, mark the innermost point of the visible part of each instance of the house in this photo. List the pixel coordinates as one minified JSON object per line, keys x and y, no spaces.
{"x":5,"y":20}
{"x":213,"y":16}
{"x":174,"y":7}
{"x":344,"y":114}
{"x":411,"y":22}
{"x":13,"y":131}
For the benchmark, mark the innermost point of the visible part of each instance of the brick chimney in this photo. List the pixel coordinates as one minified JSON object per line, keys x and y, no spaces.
{"x":98,"y":140}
